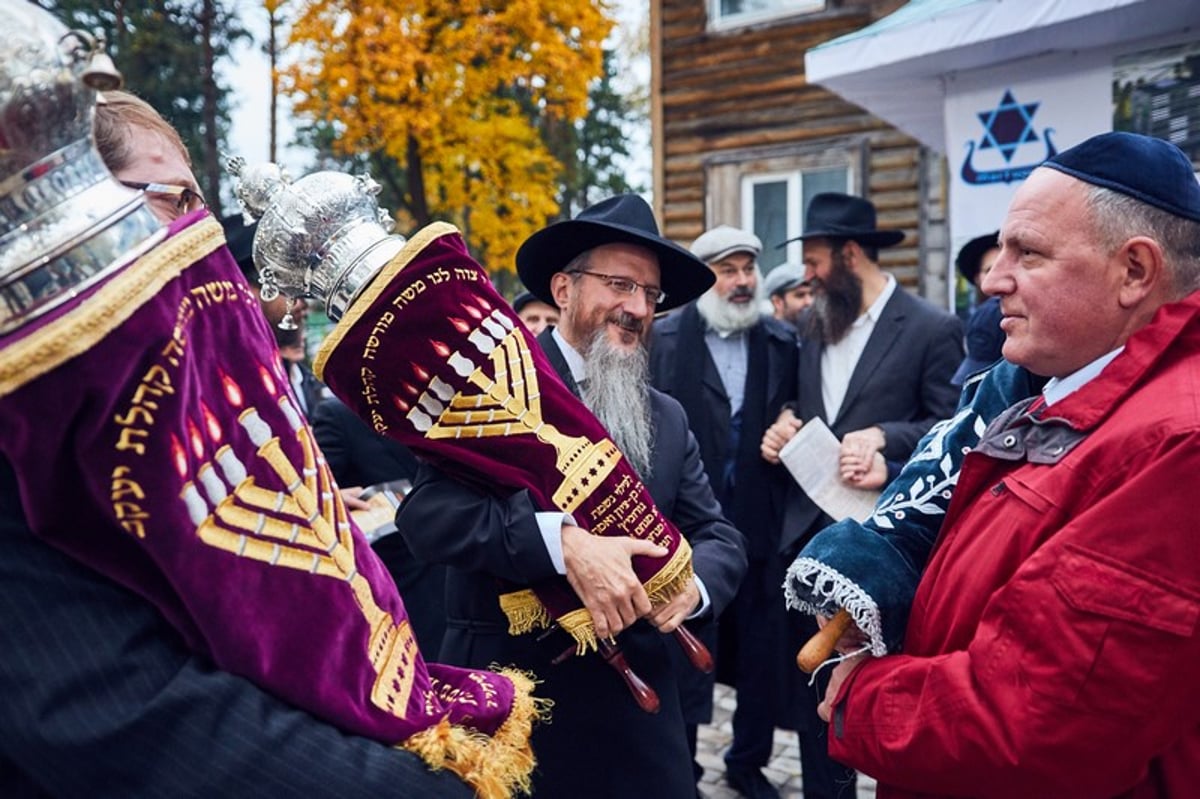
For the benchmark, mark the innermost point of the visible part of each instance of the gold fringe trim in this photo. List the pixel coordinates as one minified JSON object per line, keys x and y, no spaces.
{"x":526,"y":614}
{"x":498,"y":766}
{"x":673,"y":577}
{"x":80,"y":329}
{"x":524,"y":611}
{"x":578,"y":623}
{"x":411,"y":249}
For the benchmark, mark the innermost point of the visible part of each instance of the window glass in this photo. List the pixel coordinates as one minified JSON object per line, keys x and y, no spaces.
{"x":736,"y":12}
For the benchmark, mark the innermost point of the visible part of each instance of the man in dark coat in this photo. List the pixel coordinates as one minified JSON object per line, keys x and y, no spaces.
{"x":875,"y":365}
{"x":732,"y":369}
{"x":606,"y":270}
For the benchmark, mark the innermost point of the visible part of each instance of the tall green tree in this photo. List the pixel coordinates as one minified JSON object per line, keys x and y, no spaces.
{"x":167,"y":51}
{"x":594,"y":150}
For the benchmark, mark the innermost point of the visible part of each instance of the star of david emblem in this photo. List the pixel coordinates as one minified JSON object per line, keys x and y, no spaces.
{"x":1008,"y":126}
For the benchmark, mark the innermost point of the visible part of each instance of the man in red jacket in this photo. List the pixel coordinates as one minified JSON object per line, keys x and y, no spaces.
{"x":1051,"y":646}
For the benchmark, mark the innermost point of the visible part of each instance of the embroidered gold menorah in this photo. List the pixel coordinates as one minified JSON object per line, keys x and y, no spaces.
{"x":304,"y":526}
{"x":509,"y":403}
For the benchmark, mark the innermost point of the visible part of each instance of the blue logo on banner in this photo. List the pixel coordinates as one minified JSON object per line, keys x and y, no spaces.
{"x":1005,"y":128}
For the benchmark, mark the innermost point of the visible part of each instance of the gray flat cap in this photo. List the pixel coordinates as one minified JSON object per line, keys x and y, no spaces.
{"x":784,"y":277}
{"x":723,"y":241}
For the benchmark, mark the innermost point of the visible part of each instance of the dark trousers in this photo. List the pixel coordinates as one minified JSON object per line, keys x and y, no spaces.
{"x":823,"y":777}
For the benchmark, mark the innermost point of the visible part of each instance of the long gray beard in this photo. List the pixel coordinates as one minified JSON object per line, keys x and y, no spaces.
{"x":727,"y":317}
{"x":616,"y":391}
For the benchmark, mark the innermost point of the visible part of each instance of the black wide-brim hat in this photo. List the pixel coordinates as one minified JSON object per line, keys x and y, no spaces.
{"x":831,"y":215}
{"x":239,"y":238}
{"x":970,"y":256}
{"x":624,"y":219}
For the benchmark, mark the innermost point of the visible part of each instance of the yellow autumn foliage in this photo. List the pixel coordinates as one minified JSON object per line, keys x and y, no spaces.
{"x":453,"y":89}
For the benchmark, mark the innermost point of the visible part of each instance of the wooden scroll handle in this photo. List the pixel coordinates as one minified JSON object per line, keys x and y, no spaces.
{"x":643,"y":694}
{"x":820,"y":646}
{"x":697,"y":653}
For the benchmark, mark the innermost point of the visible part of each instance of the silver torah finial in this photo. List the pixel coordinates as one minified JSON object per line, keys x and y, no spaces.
{"x":322,"y":236}
{"x":65,"y":222}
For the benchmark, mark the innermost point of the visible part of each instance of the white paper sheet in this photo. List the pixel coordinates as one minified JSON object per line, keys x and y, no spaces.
{"x":812,"y":458}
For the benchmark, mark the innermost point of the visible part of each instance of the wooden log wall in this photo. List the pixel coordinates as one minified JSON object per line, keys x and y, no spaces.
{"x":722,"y":95}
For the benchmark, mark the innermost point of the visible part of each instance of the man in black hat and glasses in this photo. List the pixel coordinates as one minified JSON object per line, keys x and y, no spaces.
{"x":608,"y":271}
{"x":875,"y":366}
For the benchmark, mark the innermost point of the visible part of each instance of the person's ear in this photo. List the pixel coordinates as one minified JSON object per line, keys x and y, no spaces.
{"x":1143,"y":270}
{"x":560,"y":285}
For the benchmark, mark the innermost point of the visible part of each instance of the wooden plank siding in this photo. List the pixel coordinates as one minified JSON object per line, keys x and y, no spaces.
{"x":737,"y":95}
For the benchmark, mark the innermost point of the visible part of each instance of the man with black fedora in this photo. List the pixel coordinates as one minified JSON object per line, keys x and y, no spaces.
{"x":875,"y":366}
{"x":984,"y":336}
{"x":608,"y":271}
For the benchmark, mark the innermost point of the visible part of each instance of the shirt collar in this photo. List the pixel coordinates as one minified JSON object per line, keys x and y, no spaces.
{"x":574,"y":360}
{"x":1058,"y":388}
{"x":876,"y":309}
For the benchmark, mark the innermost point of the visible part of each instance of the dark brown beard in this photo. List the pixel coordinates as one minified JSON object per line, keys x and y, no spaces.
{"x":837,"y":303}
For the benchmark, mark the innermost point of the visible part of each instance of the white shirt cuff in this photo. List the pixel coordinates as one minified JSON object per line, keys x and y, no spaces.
{"x":550,"y":524}
{"x":704,"y":601}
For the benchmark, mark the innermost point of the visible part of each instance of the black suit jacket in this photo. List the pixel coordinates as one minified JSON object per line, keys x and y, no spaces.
{"x":901,"y":383}
{"x":100,"y":698}
{"x":488,"y":538}
{"x":681,"y":366}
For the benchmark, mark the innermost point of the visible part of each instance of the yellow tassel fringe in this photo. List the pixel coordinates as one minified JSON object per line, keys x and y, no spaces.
{"x":526,"y":614}
{"x":498,"y":766}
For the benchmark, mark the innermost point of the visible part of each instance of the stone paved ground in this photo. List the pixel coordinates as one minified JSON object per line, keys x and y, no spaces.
{"x":783,"y":770}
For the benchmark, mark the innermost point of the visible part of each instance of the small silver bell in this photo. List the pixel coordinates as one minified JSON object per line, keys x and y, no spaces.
{"x":287,"y":322}
{"x":101,"y":73}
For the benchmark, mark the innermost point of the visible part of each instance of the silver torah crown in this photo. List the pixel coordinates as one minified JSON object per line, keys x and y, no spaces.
{"x":65,"y":222}
{"x":322,"y":236}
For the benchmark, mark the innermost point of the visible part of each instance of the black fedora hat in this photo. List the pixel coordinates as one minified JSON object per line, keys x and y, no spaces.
{"x":627,"y":219}
{"x":239,"y":237}
{"x":971,"y":255}
{"x":843,"y":216}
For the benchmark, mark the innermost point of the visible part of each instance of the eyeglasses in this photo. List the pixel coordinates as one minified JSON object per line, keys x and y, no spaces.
{"x":182,"y":199}
{"x":623,"y":285}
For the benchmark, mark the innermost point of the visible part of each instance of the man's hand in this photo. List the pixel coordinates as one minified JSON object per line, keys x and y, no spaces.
{"x":865,"y":441}
{"x":841,"y":672}
{"x":600,"y":569}
{"x":669,"y":616}
{"x":778,"y":434}
{"x":350,"y":498}
{"x":859,"y":471}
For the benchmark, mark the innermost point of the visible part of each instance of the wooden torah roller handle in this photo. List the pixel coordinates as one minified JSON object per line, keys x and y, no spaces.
{"x":643,"y":694}
{"x":820,"y":646}
{"x":697,"y":653}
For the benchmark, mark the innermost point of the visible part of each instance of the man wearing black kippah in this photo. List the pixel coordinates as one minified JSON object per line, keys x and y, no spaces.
{"x":1048,"y":647}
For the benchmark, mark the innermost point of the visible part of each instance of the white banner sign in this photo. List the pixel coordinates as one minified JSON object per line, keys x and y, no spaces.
{"x":1002,"y":124}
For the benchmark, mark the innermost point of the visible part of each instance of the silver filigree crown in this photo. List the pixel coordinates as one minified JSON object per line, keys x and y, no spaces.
{"x":322,"y":236}
{"x":65,"y":222}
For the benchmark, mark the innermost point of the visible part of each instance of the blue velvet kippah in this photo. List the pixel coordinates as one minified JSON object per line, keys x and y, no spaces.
{"x":1145,"y":168}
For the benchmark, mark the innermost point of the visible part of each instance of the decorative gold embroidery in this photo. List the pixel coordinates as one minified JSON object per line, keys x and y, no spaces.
{"x":114,"y":302}
{"x":304,"y":527}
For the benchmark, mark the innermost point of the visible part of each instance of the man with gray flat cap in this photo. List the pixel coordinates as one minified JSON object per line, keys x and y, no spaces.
{"x":732,"y":369}
{"x":875,"y":366}
{"x":789,"y":292}
{"x":608,"y":271}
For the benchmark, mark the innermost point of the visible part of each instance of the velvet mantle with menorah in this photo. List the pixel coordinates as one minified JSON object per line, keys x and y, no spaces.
{"x":156,"y":439}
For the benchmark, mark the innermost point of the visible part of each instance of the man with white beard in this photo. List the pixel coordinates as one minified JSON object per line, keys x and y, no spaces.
{"x":608,"y":270}
{"x":732,"y":369}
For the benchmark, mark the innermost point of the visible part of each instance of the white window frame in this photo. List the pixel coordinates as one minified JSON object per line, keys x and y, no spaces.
{"x":795,"y":193}
{"x":719,"y":21}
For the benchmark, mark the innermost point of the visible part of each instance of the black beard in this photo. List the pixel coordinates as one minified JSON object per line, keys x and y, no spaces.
{"x":837,"y":304}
